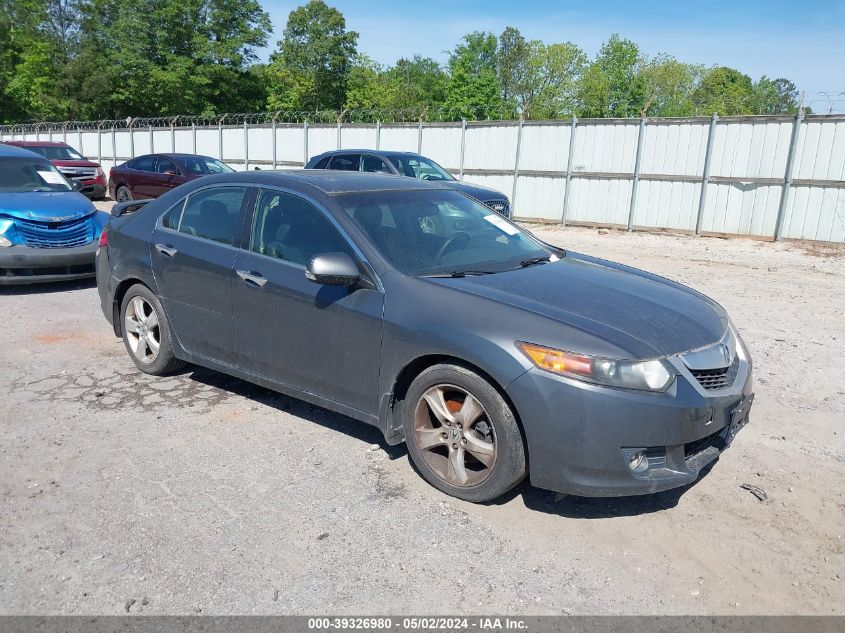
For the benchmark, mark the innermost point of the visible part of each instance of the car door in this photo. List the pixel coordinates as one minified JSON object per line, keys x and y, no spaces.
{"x":193,"y":250}
{"x":374,"y":164}
{"x":140,"y":180}
{"x":166,"y":177}
{"x":345,"y":162}
{"x":324,"y":340}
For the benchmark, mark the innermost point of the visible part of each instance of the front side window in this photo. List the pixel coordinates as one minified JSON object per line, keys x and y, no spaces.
{"x":26,"y":175}
{"x":345,"y":162}
{"x":432,"y":232}
{"x":203,"y":165}
{"x":290,"y":228}
{"x":415,"y":166}
{"x":212,"y":214}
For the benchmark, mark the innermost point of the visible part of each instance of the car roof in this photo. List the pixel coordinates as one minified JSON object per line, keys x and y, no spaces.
{"x":327,"y":181}
{"x":37,"y":143}
{"x":377,"y":152}
{"x":18,"y":152}
{"x":176,"y":155}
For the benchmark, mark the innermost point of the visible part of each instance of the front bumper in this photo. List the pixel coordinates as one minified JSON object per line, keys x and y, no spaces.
{"x":93,"y":189}
{"x":578,"y":433}
{"x":26,"y":265}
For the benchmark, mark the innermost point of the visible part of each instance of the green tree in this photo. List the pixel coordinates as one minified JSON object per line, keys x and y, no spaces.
{"x":669,"y":86}
{"x":416,"y":83}
{"x":311,"y":68}
{"x":512,"y":66}
{"x":473,"y":89}
{"x":725,"y":91}
{"x":613,"y":86}
{"x":549,"y":87}
{"x":774,"y":96}
{"x":365,"y":86}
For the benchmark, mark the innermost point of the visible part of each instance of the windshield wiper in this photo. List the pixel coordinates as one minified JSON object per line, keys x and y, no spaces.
{"x":545,"y":259}
{"x":464,"y":273}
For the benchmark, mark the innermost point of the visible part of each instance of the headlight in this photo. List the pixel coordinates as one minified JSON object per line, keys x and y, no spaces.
{"x":4,"y":241}
{"x":647,"y":375}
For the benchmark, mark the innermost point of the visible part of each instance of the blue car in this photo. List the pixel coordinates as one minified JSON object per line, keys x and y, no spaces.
{"x":48,"y":231}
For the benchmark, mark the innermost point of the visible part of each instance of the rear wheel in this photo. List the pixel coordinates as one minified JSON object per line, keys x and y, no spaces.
{"x":123,"y":194}
{"x":146,"y":332}
{"x":462,"y":435}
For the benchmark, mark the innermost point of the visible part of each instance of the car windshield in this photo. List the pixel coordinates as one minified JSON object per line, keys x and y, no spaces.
{"x":56,"y":152}
{"x":26,"y":175}
{"x":419,"y":167}
{"x":436,"y":232}
{"x":203,"y":165}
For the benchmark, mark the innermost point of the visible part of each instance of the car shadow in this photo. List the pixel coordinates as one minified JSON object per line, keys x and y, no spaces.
{"x":299,"y":408}
{"x":536,"y":499}
{"x":48,"y":287}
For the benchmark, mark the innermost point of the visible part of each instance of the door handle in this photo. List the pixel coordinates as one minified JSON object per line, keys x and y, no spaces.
{"x":166,"y":250}
{"x":251,"y":278}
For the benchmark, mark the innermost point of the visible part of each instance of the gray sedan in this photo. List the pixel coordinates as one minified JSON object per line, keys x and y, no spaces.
{"x":414,"y":308}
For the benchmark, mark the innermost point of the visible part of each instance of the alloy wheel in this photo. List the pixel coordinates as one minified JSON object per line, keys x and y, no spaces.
{"x":142,"y":329}
{"x":455,"y":436}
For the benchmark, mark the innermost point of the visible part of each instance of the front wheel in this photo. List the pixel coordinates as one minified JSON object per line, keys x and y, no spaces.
{"x":462,"y":436}
{"x":146,"y":332}
{"x":123,"y":194}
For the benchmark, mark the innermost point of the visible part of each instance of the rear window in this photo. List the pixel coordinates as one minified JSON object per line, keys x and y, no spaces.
{"x":53,"y":152}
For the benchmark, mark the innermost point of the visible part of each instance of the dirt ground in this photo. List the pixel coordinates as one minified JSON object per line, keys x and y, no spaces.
{"x":198,"y":493}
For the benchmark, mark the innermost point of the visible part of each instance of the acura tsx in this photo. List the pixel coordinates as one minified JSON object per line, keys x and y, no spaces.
{"x":415,"y":308}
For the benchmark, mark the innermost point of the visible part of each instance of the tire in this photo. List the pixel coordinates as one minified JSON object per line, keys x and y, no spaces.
{"x":122,"y":194}
{"x":144,"y":326}
{"x":453,"y":416}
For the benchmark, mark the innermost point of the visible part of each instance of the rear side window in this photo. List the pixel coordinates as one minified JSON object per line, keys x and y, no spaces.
{"x":374,"y":164}
{"x":345,"y":162}
{"x":166,"y":166}
{"x":323,"y":163}
{"x":173,"y":216}
{"x":213,"y":214}
{"x":144,"y":163}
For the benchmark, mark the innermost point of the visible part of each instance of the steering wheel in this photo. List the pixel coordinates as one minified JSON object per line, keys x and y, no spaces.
{"x":449,"y":243}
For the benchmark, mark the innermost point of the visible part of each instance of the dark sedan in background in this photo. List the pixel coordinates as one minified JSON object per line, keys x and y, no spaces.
{"x":410,"y":165}
{"x":490,"y":353}
{"x":151,"y":175}
{"x":48,"y":231}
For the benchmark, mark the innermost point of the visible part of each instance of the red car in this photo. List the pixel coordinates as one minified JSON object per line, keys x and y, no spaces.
{"x":72,"y":164}
{"x":152,"y":175}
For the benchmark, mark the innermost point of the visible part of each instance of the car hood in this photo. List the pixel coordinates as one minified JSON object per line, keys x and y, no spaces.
{"x":476,"y":191}
{"x":74,"y":163}
{"x":54,"y":206}
{"x":634,"y":313}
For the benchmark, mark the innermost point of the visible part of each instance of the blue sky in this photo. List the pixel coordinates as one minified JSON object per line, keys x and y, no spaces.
{"x":804,"y":42}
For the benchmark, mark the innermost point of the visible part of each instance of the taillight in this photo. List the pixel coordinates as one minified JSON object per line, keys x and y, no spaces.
{"x":104,"y":238}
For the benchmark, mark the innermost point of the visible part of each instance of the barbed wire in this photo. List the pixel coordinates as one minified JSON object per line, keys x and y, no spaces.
{"x":827,"y":103}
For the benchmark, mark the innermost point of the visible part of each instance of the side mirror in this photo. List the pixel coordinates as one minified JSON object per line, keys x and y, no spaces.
{"x":332,"y":269}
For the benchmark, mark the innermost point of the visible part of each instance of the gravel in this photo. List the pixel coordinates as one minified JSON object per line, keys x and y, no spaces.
{"x":200,"y":493}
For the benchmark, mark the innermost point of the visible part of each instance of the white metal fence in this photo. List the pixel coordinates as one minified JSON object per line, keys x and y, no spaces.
{"x":767,"y":176}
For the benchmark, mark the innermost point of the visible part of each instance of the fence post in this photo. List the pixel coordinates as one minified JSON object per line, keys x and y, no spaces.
{"x":274,"y":142}
{"x":463,"y":145}
{"x":339,"y":125}
{"x":113,"y":147}
{"x":635,"y":185}
{"x":194,"y":136}
{"x":378,"y":134}
{"x":172,"y":137}
{"x":220,"y":138}
{"x":152,"y":141}
{"x":705,"y":178}
{"x":305,"y":140}
{"x":787,"y":177}
{"x":79,"y":138}
{"x":131,"y":138}
{"x":569,"y":162}
{"x":419,"y":136}
{"x":516,"y":165}
{"x":100,"y":144}
{"x":64,"y":135}
{"x":246,"y":147}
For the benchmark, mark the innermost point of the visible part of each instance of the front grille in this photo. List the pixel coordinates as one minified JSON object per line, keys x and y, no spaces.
{"x":716,"y":378}
{"x":81,"y":173}
{"x":56,"y":234}
{"x":499,"y":206}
